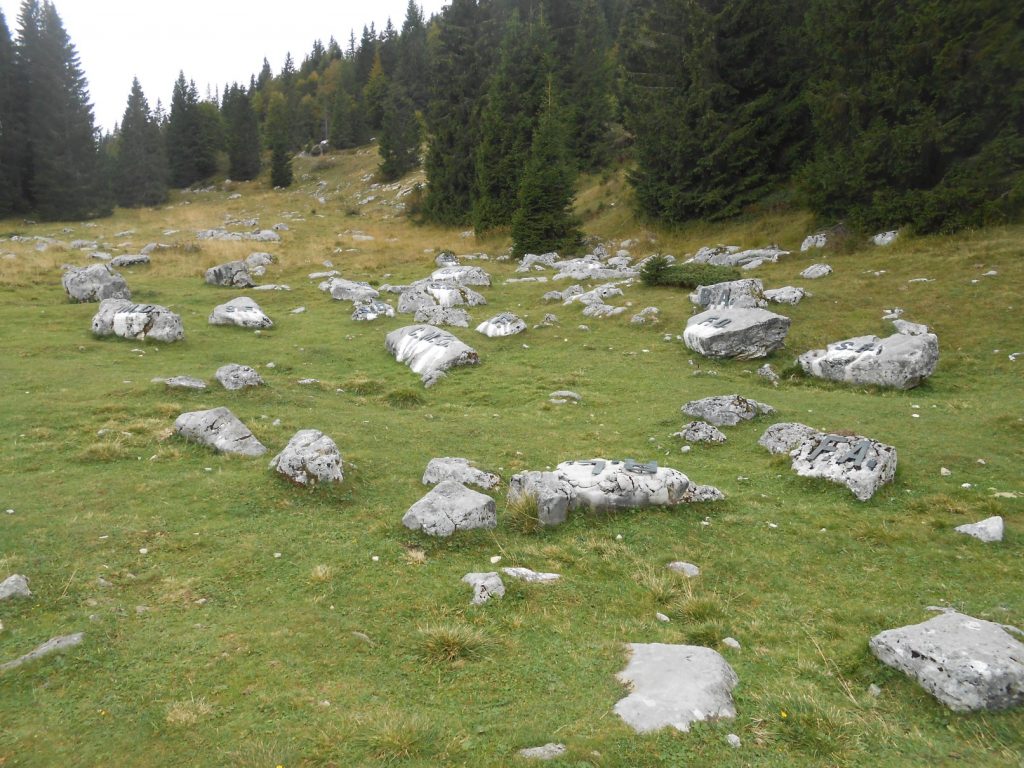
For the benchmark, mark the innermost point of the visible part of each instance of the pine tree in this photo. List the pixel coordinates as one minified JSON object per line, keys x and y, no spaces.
{"x":412,"y":69}
{"x":182,"y":133}
{"x":399,"y":143}
{"x":544,"y":220}
{"x":374,"y":93}
{"x":278,"y":137}
{"x":242,"y":134}
{"x":589,"y":84}
{"x":140,"y":165}
{"x":9,"y":162}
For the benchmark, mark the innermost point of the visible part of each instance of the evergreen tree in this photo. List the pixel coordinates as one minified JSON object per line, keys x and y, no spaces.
{"x":399,"y":143}
{"x":242,"y":135}
{"x":278,"y":138}
{"x":589,"y":84}
{"x":140,"y":166}
{"x":544,"y":220}
{"x":182,"y":134}
{"x":9,"y":162}
{"x":374,"y":93}
{"x":412,"y":70}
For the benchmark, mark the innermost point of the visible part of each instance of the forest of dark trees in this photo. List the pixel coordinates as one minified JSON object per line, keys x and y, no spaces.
{"x":876,"y":113}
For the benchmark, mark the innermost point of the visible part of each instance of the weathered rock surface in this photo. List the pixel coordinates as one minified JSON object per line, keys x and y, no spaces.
{"x":968,"y":664}
{"x":449,"y":507}
{"x":234,"y":274}
{"x":730,"y":256}
{"x":504,"y":324}
{"x":726,"y":410}
{"x":819,"y":240}
{"x":563,"y":396}
{"x":132,"y":260}
{"x":531,"y":577}
{"x":242,"y":311}
{"x":551,"y":492}
{"x":459,"y":470}
{"x":534,"y":261}
{"x":646,"y":316}
{"x":734,"y":293}
{"x":260,"y":236}
{"x":446,"y":259}
{"x":310,"y":458}
{"x":367,"y":311}
{"x":437,"y":315}
{"x":53,"y":645}
{"x":546,"y":752}
{"x":184,"y":382}
{"x":119,"y":317}
{"x":988,"y":530}
{"x":219,"y":429}
{"x":786,"y":437}
{"x":602,"y":486}
{"x":94,"y":283}
{"x":234,"y":376}
{"x":816,"y":271}
{"x":348,"y":290}
{"x":885,"y":238}
{"x":14,"y":585}
{"x":860,"y":463}
{"x":431,"y":293}
{"x":485,"y":586}
{"x":259,"y":259}
{"x":788,"y":294}
{"x":700,"y":432}
{"x":461,"y":275}
{"x":737,"y":332}
{"x":900,"y":361}
{"x":675,"y":685}
{"x":687,"y":569}
{"x":429,"y":351}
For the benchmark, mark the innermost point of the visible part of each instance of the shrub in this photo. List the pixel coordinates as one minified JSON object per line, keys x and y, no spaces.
{"x":658,"y":271}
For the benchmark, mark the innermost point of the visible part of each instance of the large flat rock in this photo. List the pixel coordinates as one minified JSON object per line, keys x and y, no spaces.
{"x":120,"y":317}
{"x":449,"y":507}
{"x":94,"y":283}
{"x":241,"y":311}
{"x":219,"y":429}
{"x":726,"y":410}
{"x":861,"y":464}
{"x":732,"y":293}
{"x":745,"y":333}
{"x":901,"y":361}
{"x":429,"y":351}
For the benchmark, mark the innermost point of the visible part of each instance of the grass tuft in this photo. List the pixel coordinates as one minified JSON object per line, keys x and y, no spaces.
{"x":392,"y":738}
{"x":453,"y":643}
{"x":404,"y":398}
{"x":362,"y":385}
{"x":321,"y":574}
{"x":521,"y":515}
{"x":188,"y":711}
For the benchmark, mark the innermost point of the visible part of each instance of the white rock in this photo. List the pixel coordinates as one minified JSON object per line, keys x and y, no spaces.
{"x":310,"y":457}
{"x":688,"y":569}
{"x":533,"y":577}
{"x":451,"y":507}
{"x":14,"y":585}
{"x":460,"y":470}
{"x":485,"y":586}
{"x":988,"y":530}
{"x":241,"y":311}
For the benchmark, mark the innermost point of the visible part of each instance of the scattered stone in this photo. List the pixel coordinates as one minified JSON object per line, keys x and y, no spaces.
{"x":260,"y":236}
{"x":860,"y":463}
{"x":885,"y":238}
{"x":546,"y":752}
{"x":449,"y":507}
{"x":234,"y":376}
{"x":988,"y":530}
{"x":564,"y":396}
{"x":700,"y":432}
{"x":369,"y":310}
{"x":120,"y":317}
{"x":874,"y":691}
{"x":135,"y":260}
{"x":243,"y":312}
{"x":788,"y":294}
{"x":271,"y":287}
{"x":731,"y":256}
{"x":94,"y":283}
{"x":731,"y":642}
{"x":786,"y":437}
{"x":485,"y":586}
{"x":646,"y":316}
{"x":819,"y":240}
{"x":944,"y":472}
{"x":767,"y":372}
{"x":899,"y":361}
{"x":429,"y":351}
{"x":687,"y":569}
{"x":446,"y":259}
{"x":297,"y":311}
{"x":259,"y":259}
{"x":219,"y":429}
{"x":429,"y":293}
{"x":532,"y":577}
{"x":14,"y":585}
{"x":504,"y":324}
{"x":461,"y":276}
{"x":459,"y":470}
{"x":675,"y":685}
{"x":816,"y":271}
{"x":662,"y":617}
{"x":53,"y":645}
{"x":532,"y":261}
{"x":734,"y":293}
{"x":733,"y":741}
{"x":551,"y":493}
{"x":234,"y":274}
{"x":348,"y":290}
{"x":726,"y":410}
{"x":910,"y":329}
{"x":968,"y":664}
{"x":184,"y":382}
{"x":736,"y":332}
{"x":310,"y":458}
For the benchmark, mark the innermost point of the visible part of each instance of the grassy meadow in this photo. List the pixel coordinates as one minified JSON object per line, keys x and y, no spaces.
{"x":270,"y":625}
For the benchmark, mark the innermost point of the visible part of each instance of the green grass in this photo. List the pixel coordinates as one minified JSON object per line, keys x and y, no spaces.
{"x":325,"y":656}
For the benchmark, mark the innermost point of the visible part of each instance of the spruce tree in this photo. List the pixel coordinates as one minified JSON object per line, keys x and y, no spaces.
{"x":278,"y":137}
{"x":375,"y":93}
{"x":544,"y":220}
{"x":589,"y":84}
{"x":9,"y":162}
{"x":412,"y":69}
{"x":140,"y":165}
{"x":399,"y":143}
{"x":242,"y":134}
{"x":182,"y":133}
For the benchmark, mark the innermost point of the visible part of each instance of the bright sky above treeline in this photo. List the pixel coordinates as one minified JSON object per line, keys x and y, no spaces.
{"x":214,"y":42}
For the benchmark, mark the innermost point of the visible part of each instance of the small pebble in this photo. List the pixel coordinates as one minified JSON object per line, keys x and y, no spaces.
{"x":661,"y":617}
{"x":733,"y":740}
{"x":9,"y":511}
{"x":375,"y":559}
{"x":731,"y":642}
{"x":980,"y":461}
{"x":618,"y":537}
{"x":772,"y":525}
{"x":685,"y":449}
{"x":874,"y":690}
{"x":143,"y":551}
{"x":277,"y":555}
{"x":966,"y":486}
{"x":271,"y":365}
{"x":496,"y":559}
{"x":944,"y":472}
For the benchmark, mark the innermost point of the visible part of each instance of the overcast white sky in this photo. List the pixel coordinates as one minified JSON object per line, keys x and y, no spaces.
{"x":213,"y":41}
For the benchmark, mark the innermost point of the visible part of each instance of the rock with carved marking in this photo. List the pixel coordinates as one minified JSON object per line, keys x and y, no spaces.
{"x":733,"y":293}
{"x":861,"y":464}
{"x":744,"y":333}
{"x":504,"y":324}
{"x":242,"y":311}
{"x":233,"y":274}
{"x":429,"y":351}
{"x":120,"y":317}
{"x":900,"y":361}
{"x":371,"y":309}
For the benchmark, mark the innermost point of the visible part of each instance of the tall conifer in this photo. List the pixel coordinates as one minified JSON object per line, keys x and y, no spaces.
{"x":242,"y":134}
{"x":9,"y":162}
{"x":140,"y":168}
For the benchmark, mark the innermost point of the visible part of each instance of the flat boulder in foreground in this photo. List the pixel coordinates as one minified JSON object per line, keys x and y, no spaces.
{"x":120,"y":317}
{"x":429,"y":351}
{"x":900,"y":361}
{"x":219,"y":429}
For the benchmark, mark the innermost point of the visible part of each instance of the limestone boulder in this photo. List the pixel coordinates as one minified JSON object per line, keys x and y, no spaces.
{"x":130,"y":260}
{"x":449,"y":507}
{"x":372,"y":309}
{"x":259,"y":259}
{"x":968,"y":664}
{"x":94,"y":283}
{"x":243,"y":312}
{"x":675,"y":685}
{"x":602,"y":486}
{"x":819,"y":240}
{"x":788,"y":294}
{"x":436,"y":315}
{"x":551,"y":492}
{"x":785,"y":437}
{"x":461,"y":275}
{"x":233,"y":274}
{"x":14,"y":585}
{"x":900,"y":361}
{"x":861,"y":464}
{"x":219,"y":429}
{"x":429,"y":351}
{"x":726,"y":410}
{"x":700,"y":432}
{"x":729,"y":256}
{"x":184,"y":382}
{"x":436,"y":293}
{"x":816,"y":271}
{"x":736,"y":332}
{"x":733,"y":293}
{"x":310,"y":458}
{"x":120,"y":317}
{"x":348,"y":290}
{"x":503,"y":324}
{"x":485,"y":586}
{"x":988,"y":530}
{"x":446,"y":259}
{"x":234,"y":376}
{"x":459,"y":470}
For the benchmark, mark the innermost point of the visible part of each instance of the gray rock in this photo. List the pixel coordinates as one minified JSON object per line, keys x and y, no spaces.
{"x":899,"y":361}
{"x":348,"y":290}
{"x":234,"y":274}
{"x":910,"y":329}
{"x":94,"y":283}
{"x":646,"y":316}
{"x":433,"y":293}
{"x":367,"y":311}
{"x":786,"y":436}
{"x":531,"y":577}
{"x":816,"y":271}
{"x":446,"y":259}
{"x":563,"y":396}
{"x":461,"y":276}
{"x":602,"y":310}
{"x":988,"y":530}
{"x":767,"y":372}
{"x":593,"y":296}
{"x":726,"y":410}
{"x":533,"y":261}
{"x":736,"y":332}
{"x":547,"y":321}
{"x":885,"y":238}
{"x":733,"y":741}
{"x":14,"y":585}
{"x":119,"y":317}
{"x":729,"y":256}
{"x":234,"y":376}
{"x":460,"y":471}
{"x":436,"y":315}
{"x":860,"y":463}
{"x":551,"y":492}
{"x":185,"y":382}
{"x":134,"y":260}
{"x":788,"y":294}
{"x":449,"y":507}
{"x":734,"y":293}
{"x":546,"y":752}
{"x":485,"y":586}
{"x":504,"y":324}
{"x":310,"y":458}
{"x":603,"y":486}
{"x":731,"y":642}
{"x":51,"y":646}
{"x":675,"y":685}
{"x":271,"y":287}
{"x":687,"y":569}
{"x":429,"y":351}
{"x":700,"y":432}
{"x":968,"y":664}
{"x":219,"y":429}
{"x":242,"y":311}
{"x":820,"y":240}
{"x":591,"y":269}
{"x":259,"y":259}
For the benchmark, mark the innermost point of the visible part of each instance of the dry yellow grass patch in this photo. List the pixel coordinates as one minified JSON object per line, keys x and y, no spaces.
{"x":188,"y":712}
